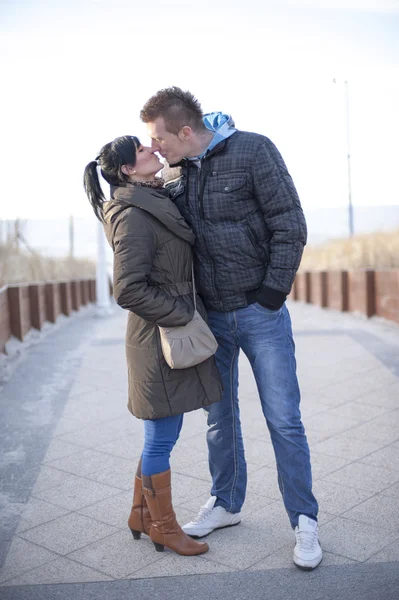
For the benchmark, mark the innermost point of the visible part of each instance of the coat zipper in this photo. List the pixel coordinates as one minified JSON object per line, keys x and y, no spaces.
{"x":200,"y":194}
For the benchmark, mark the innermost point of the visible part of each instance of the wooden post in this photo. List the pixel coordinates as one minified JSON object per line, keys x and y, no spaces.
{"x":14,"y":303}
{"x":37,"y":305}
{"x":65,"y":295}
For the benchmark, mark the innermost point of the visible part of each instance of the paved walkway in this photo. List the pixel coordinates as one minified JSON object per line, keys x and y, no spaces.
{"x":69,"y":450}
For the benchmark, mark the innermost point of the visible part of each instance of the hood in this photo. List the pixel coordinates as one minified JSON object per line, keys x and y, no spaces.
{"x":154,"y":202}
{"x":221,"y":125}
{"x":219,"y":122}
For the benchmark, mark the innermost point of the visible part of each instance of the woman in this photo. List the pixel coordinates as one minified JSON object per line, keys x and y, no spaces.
{"x":152,"y":280}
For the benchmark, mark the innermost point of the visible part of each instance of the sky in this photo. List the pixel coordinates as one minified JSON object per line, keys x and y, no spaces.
{"x":76,"y":73}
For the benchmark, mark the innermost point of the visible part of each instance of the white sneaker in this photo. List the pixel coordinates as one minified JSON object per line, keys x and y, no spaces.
{"x":209,"y":519}
{"x":307,"y":552}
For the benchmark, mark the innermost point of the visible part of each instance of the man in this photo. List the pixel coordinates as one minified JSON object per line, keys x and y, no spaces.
{"x":238,"y":197}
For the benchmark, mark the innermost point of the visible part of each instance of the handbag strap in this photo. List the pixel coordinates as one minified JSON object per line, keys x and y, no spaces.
{"x":194,"y":290}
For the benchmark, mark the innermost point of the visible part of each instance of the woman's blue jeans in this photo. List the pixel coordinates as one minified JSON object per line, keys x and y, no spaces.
{"x":265,"y":336}
{"x":160,"y":436}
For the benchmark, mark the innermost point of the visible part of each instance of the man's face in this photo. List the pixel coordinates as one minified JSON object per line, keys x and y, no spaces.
{"x":169,"y":145}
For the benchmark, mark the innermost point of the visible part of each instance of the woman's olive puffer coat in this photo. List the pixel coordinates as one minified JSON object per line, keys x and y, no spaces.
{"x":152,"y":280}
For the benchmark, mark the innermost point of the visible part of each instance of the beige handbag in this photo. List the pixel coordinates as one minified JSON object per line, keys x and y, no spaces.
{"x":188,"y":345}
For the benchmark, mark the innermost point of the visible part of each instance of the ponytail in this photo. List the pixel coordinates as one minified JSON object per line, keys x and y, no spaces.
{"x":112,"y":157}
{"x":93,"y":189}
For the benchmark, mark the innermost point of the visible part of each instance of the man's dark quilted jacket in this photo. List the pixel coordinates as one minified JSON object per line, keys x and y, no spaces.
{"x":250,"y":229}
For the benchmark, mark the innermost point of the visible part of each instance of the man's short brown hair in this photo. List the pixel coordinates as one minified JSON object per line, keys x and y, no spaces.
{"x":176,"y":107}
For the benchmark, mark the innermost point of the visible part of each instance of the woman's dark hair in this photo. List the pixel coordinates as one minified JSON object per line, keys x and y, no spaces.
{"x":112,"y":157}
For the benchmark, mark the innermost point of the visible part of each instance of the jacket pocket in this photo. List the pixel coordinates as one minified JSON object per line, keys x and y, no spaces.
{"x":227,"y":183}
{"x":228,"y":196}
{"x":251,"y":238}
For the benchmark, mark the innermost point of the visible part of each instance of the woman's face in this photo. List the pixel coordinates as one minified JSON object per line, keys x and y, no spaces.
{"x":147,"y":163}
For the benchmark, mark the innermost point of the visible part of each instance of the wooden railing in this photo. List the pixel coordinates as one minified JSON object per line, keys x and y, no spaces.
{"x":370,"y":292}
{"x":27,"y":306}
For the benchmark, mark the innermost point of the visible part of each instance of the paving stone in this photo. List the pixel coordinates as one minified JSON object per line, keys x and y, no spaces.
{"x":68,"y":533}
{"x":195,"y":423}
{"x":252,"y":502}
{"x":283,"y":559}
{"x":358,"y":411}
{"x":88,"y":462}
{"x":239,"y":547}
{"x":381,"y":511}
{"x":129,"y":447}
{"x":392,"y":491}
{"x":198,"y":469}
{"x":94,"y":435}
{"x":58,"y":448}
{"x":273,"y":520}
{"x":386,"y":396}
{"x":263,"y":482}
{"x":77,"y":493}
{"x":346,"y":447}
{"x":311,"y":407}
{"x":344,"y":391}
{"x":120,"y":476}
{"x":353,"y":539}
{"x":185,"y":488}
{"x":327,"y":426}
{"x":259,"y":452}
{"x":381,"y":435}
{"x":118,"y":555}
{"x":114,"y":510}
{"x":364,"y":477}
{"x":350,"y":408}
{"x":49,"y":477}
{"x":190,"y":450}
{"x":388,"y":419}
{"x":105,"y":377}
{"x":79,"y":389}
{"x":23,"y":556}
{"x":253,"y":423}
{"x":387,"y":458}
{"x":181,"y":565}
{"x":87,"y":413}
{"x":388,"y":554}
{"x":336,"y":499}
{"x":60,"y":570}
{"x":65,"y":425}
{"x":323,"y":464}
{"x":37,"y":512}
{"x":183,"y":456}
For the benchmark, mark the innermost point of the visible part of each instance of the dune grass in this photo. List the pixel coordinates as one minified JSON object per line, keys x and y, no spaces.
{"x":374,"y":250}
{"x":19,"y":266}
{"x":368,"y":251}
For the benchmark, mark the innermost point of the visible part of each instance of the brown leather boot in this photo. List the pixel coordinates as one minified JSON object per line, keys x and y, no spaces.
{"x":139,"y":519}
{"x":165,"y":530}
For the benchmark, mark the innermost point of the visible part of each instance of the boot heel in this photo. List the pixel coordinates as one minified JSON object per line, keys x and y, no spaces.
{"x":136,"y":534}
{"x":159,"y":547}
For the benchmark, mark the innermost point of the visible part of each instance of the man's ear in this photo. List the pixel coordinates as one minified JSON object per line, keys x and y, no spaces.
{"x":128,"y":170}
{"x":185,"y":133}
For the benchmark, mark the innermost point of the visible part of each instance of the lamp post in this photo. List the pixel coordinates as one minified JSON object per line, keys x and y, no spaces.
{"x":350,"y":205}
{"x":348,"y":147}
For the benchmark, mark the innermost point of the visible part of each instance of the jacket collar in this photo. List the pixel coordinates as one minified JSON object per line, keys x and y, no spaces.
{"x":157,"y":203}
{"x":186,"y":161}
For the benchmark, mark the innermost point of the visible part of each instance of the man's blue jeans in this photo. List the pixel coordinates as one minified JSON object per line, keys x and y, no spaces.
{"x":265,"y":336}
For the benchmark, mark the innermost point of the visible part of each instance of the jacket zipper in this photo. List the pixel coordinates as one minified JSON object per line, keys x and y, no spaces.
{"x":200,"y":191}
{"x":200,"y":194}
